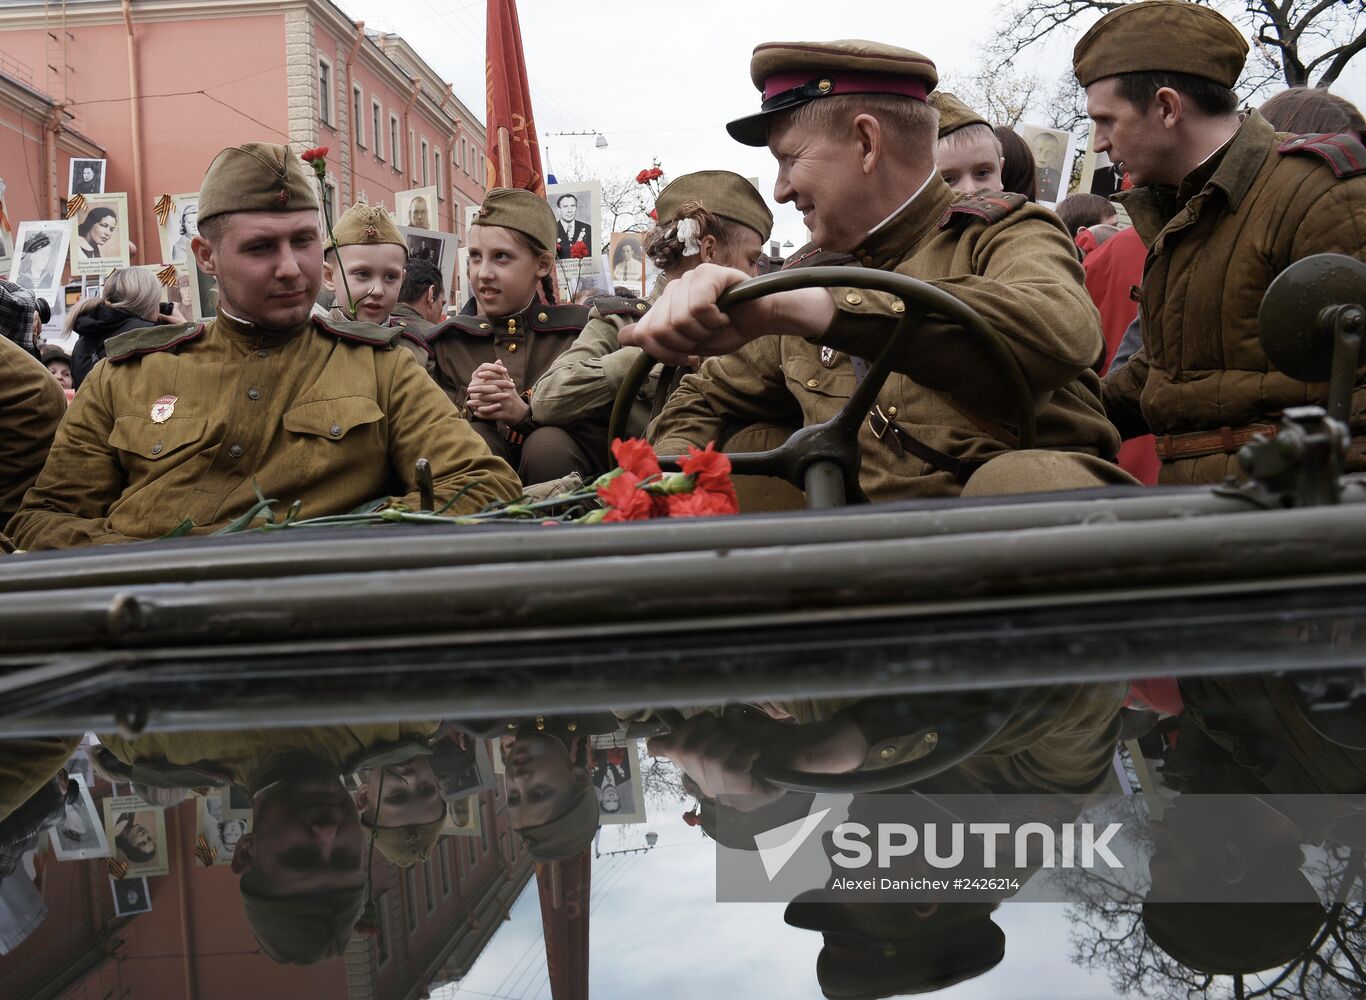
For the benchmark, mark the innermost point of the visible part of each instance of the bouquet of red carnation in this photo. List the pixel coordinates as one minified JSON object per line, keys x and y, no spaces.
{"x":638,"y":490}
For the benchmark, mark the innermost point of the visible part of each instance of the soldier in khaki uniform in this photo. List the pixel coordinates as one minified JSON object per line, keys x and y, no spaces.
{"x":367,"y":248}
{"x":712,"y":216}
{"x":421,"y":306}
{"x":854,"y":139}
{"x":183,"y":421}
{"x":1224,"y":205}
{"x":488,"y":361}
{"x":33,"y":404}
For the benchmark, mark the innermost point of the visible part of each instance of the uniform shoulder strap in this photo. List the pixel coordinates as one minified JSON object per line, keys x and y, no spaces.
{"x":476,"y":326}
{"x":150,"y":340}
{"x":989,"y":206}
{"x":556,"y":318}
{"x":625,"y":306}
{"x":1344,"y":154}
{"x":370,"y":334}
{"x":814,"y":256}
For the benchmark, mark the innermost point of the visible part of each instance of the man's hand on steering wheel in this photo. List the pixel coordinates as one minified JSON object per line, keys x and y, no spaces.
{"x":686,"y":323}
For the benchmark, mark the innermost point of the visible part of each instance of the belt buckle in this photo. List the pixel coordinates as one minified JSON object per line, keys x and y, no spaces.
{"x":876,"y":412}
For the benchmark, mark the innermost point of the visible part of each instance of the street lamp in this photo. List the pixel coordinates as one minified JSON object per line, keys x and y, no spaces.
{"x":650,"y":839}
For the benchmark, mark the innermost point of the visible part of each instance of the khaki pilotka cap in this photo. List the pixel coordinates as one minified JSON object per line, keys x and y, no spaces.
{"x":366,"y":225}
{"x":407,"y":845}
{"x":257,"y":177}
{"x":790,"y":74}
{"x":953,"y":113}
{"x":514,"y":208}
{"x":1172,"y":36}
{"x":564,"y":836}
{"x":720,"y":192}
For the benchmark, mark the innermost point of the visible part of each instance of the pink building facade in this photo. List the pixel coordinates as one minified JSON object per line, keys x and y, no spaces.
{"x":160,"y":86}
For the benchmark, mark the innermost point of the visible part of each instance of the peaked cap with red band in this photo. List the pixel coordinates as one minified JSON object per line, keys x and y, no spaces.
{"x":790,"y":74}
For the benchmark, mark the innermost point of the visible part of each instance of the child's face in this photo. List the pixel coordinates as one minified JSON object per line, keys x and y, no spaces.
{"x":969,"y":167}
{"x":374,"y":276}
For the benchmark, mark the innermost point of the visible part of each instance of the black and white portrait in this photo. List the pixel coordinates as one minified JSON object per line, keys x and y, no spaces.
{"x":87,"y":177}
{"x":131,"y":896}
{"x":40,"y":254}
{"x":418,"y":208}
{"x":437,"y":247}
{"x":628,"y":261}
{"x":79,"y":833}
{"x":100,"y":243}
{"x":573,"y":222}
{"x":1052,"y":149}
{"x":617,"y":784}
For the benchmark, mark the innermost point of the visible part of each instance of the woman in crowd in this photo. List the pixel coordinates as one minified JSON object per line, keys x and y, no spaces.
{"x":97,"y":230}
{"x":130,"y":300}
{"x":509,"y":334}
{"x":709,"y":217}
{"x":1313,"y":110}
{"x":1019,"y":173}
{"x":133,"y":840}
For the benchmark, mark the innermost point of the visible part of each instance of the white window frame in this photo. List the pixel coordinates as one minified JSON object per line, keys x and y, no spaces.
{"x":412,"y":152}
{"x":395,"y":143}
{"x":436,"y":171}
{"x":377,"y":125}
{"x":326,"y":95}
{"x":357,"y":109}
{"x":426,"y":158}
{"x":464,"y":157}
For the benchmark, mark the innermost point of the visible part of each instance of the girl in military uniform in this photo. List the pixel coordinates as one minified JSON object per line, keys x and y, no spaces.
{"x":508,"y":336}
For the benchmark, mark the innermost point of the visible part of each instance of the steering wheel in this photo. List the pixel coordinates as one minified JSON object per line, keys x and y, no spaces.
{"x":957,"y":736}
{"x":824,"y":459}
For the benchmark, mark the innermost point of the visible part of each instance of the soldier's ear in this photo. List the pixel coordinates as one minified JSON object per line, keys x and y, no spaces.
{"x":327,"y":273}
{"x":243,"y":855}
{"x":202,"y":251}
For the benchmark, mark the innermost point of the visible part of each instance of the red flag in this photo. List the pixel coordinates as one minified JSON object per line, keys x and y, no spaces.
{"x":513,"y":154}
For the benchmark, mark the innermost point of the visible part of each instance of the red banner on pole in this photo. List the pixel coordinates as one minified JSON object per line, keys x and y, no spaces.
{"x":513,"y":154}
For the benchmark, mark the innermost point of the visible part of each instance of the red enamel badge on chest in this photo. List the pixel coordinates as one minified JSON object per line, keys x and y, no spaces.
{"x":163,"y":408}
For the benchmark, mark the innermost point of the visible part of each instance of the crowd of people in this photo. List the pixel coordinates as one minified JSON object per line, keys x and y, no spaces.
{"x":172,"y":421}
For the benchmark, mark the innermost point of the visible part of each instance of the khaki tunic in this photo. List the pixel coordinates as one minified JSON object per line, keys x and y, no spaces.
{"x":1017,"y":268}
{"x":32,"y":404}
{"x":416,"y":329}
{"x":308,"y":415}
{"x":584,"y":381}
{"x":1214,"y":247}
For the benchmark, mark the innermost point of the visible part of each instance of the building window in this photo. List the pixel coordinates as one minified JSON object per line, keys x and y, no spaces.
{"x":395,"y":142}
{"x":358,"y":114}
{"x":464,"y":158}
{"x":382,"y":904}
{"x":324,"y":91}
{"x":410,"y":898}
{"x":443,"y":858}
{"x":377,"y":128}
{"x":429,"y":885}
{"x":412,"y":151}
{"x":436,"y":175}
{"x":470,"y":846}
{"x":484,"y":826}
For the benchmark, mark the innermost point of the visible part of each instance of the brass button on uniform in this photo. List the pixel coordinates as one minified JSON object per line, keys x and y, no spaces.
{"x":335,"y":430}
{"x":253,"y":393}
{"x":542,"y":317}
{"x":891,"y":411}
{"x":853,"y":298}
{"x":156,"y":448}
{"x":887,"y":753}
{"x":898,"y":306}
{"x":512,"y":348}
{"x":811,"y":383}
{"x":824,"y":86}
{"x":235,"y":451}
{"x":483,"y":326}
{"x":572,"y":727}
{"x":641,"y":306}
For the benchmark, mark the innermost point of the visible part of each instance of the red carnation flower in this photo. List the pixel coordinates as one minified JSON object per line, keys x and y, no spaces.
{"x":654,"y":173}
{"x":636,"y":457}
{"x":579,"y":250}
{"x":654,"y":215}
{"x":625,"y":502}
{"x":309,"y":155}
{"x":702,"y":503}
{"x":711,"y":468}
{"x":643,"y":177}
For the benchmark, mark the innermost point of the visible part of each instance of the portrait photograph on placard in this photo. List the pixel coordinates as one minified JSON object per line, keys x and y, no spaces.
{"x":131,"y":896}
{"x":418,"y":208}
{"x":617,"y":784}
{"x":6,"y":248}
{"x":79,"y":833}
{"x":100,"y":241}
{"x":1052,"y":149}
{"x":220,"y":826}
{"x":462,"y":277}
{"x":182,"y":226}
{"x":628,"y":262}
{"x":137,"y":834}
{"x":462,"y":817}
{"x":87,"y":177}
{"x":576,"y":205}
{"x":40,"y":254}
{"x":203,"y":293}
{"x":437,"y":247}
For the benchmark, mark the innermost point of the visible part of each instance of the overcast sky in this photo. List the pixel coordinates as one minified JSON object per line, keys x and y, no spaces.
{"x":660,"y":81}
